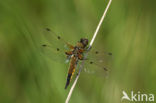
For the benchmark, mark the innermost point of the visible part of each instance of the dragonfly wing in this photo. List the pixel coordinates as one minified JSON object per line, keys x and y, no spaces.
{"x":55,"y":46}
{"x":57,"y":55}
{"x":98,"y":62}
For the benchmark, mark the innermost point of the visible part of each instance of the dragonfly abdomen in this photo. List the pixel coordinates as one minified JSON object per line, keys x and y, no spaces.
{"x":71,"y":70}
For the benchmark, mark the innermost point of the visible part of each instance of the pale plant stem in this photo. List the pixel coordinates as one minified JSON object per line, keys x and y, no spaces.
{"x":90,"y":45}
{"x":101,"y":20}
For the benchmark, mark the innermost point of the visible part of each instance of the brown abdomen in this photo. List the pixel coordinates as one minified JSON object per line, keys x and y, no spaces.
{"x":71,"y":70}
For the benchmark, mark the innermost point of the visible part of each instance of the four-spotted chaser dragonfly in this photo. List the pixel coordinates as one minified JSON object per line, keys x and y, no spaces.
{"x":58,"y":47}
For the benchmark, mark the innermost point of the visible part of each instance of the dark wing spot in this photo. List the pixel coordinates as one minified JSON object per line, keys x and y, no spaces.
{"x":58,"y":49}
{"x":109,"y":53}
{"x":91,"y":62}
{"x":48,"y":29}
{"x":58,"y":37}
{"x":96,"y":52}
{"x":44,"y":45}
{"x":105,"y":69}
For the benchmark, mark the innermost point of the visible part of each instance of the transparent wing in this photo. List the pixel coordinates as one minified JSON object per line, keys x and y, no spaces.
{"x":98,"y":62}
{"x":55,"y":46}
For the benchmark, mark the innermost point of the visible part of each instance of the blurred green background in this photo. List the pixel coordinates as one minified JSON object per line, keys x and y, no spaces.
{"x":26,"y":76}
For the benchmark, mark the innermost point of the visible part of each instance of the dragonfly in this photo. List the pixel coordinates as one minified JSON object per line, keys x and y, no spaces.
{"x":60,"y":50}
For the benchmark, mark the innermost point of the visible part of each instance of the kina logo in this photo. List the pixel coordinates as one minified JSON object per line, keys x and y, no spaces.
{"x":137,"y":97}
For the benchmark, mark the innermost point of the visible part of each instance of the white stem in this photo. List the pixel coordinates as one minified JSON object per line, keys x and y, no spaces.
{"x":71,"y":89}
{"x":91,"y":43}
{"x":99,"y":25}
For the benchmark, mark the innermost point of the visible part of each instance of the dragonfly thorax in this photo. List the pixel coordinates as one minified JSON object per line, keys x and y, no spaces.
{"x":82,"y":43}
{"x":76,"y":50}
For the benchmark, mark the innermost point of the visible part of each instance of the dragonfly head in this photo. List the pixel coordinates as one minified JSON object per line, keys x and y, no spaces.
{"x":84,"y":42}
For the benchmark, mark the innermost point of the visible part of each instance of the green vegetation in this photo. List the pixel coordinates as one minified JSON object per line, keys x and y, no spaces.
{"x":128,"y":31}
